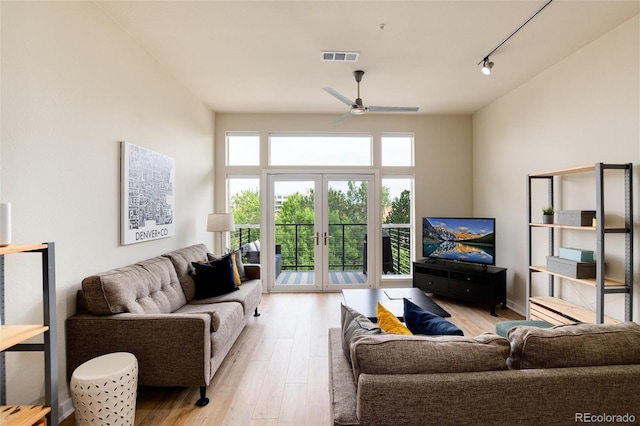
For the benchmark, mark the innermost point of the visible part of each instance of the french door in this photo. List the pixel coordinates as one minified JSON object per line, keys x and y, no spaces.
{"x":318,"y":225}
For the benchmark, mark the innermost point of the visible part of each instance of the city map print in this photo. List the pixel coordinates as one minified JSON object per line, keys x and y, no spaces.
{"x":148,"y":182}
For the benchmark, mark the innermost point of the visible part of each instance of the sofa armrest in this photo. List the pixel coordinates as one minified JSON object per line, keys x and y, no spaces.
{"x":172,"y":349}
{"x":252,"y":271}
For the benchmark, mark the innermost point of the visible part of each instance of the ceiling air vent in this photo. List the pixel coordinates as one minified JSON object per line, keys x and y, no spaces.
{"x":339,"y":56}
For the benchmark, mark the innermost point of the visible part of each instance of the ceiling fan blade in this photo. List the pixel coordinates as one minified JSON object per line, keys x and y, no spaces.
{"x":391,"y":109}
{"x":337,"y":95}
{"x":342,"y":117}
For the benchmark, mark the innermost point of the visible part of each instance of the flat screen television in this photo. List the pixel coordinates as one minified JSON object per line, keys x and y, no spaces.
{"x":459,"y":239}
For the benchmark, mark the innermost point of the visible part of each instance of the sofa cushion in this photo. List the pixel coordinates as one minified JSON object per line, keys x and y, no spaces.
{"x":150,"y":286}
{"x":218,"y":312}
{"x":182,"y":260}
{"x":354,"y":324}
{"x":574,"y":345}
{"x":419,"y":321}
{"x":397,"y":354}
{"x":389,"y":323}
{"x":214,"y":278}
{"x":248,"y":296}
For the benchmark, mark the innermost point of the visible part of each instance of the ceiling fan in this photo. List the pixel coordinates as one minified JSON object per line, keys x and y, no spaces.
{"x":357,"y":107}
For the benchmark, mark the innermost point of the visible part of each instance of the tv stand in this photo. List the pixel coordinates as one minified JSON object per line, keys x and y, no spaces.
{"x":481,"y":284}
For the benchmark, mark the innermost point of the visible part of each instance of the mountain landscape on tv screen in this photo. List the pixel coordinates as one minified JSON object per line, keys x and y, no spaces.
{"x":440,"y":233}
{"x":466,"y":240}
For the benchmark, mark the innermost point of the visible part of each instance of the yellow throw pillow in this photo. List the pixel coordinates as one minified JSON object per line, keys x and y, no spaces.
{"x":389,"y":323}
{"x":236,"y":274}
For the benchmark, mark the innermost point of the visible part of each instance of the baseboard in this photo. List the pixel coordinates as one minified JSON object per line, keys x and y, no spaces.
{"x":517,"y":308}
{"x":65,"y":409}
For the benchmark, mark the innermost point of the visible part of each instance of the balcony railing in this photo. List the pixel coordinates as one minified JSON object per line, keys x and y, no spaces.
{"x":346,"y":245}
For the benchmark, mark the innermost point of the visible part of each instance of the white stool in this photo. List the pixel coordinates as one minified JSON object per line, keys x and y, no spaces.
{"x":103,"y":390}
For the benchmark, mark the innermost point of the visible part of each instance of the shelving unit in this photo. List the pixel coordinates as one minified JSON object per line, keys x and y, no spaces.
{"x":12,"y":338}
{"x":558,"y":311}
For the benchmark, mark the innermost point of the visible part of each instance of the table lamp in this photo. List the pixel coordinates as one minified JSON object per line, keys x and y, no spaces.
{"x":220,"y":222}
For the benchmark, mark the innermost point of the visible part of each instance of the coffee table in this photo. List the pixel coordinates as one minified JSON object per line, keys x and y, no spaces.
{"x":366,"y":301}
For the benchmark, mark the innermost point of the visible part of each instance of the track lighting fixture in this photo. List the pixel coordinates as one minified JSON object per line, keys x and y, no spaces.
{"x":486,"y":66}
{"x":486,"y":63}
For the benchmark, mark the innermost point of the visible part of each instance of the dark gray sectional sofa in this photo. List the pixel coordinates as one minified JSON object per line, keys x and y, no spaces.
{"x":570,"y":374}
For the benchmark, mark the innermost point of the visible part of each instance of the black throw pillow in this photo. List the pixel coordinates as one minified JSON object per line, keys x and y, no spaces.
{"x":214,"y":278}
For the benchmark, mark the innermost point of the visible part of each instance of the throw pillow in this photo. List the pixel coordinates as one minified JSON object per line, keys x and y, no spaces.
{"x":236,"y":274}
{"x":257,"y":244}
{"x":354,"y":324}
{"x":237,"y":261}
{"x":214,"y":278}
{"x":389,"y":323}
{"x":420,"y":321}
{"x":249,"y":247}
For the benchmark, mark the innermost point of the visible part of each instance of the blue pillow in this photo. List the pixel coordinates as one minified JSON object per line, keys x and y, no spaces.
{"x":214,"y":278}
{"x":419,"y":321}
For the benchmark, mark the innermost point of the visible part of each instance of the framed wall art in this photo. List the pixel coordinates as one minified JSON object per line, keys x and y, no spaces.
{"x":148,"y":194}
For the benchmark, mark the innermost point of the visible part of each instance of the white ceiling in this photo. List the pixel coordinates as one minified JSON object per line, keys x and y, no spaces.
{"x":264,"y":56}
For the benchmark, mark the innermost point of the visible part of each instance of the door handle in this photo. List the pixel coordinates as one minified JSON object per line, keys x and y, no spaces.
{"x":317,"y":238}
{"x":326,"y":238}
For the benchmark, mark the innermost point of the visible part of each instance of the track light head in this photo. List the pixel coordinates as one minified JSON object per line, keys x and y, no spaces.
{"x":486,"y":66}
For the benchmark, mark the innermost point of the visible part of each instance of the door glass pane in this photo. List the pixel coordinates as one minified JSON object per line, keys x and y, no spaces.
{"x":294,"y":216}
{"x":347,"y":215}
{"x":396,"y":225}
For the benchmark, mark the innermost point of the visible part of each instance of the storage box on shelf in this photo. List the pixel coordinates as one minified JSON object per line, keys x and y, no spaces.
{"x":571,"y":268}
{"x":576,"y":217}
{"x":12,"y":338}
{"x":579,"y":255}
{"x":559,"y":311}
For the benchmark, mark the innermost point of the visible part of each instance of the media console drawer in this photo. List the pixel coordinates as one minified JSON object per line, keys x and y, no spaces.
{"x":433,"y":283}
{"x":487,"y":286}
{"x":472,"y":291}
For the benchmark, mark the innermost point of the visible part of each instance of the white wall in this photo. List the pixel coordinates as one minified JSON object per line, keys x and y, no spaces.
{"x":583,"y":110}
{"x":73,"y":85}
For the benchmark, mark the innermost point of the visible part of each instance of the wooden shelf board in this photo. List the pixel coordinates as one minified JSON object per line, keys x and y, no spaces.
{"x":570,"y":171}
{"x":575,"y":312}
{"x":555,"y":225}
{"x":609,"y":230}
{"x":22,"y":414}
{"x":21,"y":248}
{"x":11,"y":335}
{"x":587,"y":281}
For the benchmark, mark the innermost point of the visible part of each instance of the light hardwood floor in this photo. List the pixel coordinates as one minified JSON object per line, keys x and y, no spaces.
{"x":277,"y":372}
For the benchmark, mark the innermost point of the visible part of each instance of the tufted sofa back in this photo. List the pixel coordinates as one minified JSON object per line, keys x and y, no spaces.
{"x":150,"y":286}
{"x":181,"y":260}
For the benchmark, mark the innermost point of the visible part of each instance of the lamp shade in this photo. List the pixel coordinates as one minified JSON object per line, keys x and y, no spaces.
{"x":220,"y":222}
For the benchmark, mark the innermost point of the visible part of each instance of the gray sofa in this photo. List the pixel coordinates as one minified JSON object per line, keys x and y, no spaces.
{"x":149,"y":310}
{"x":556,"y":376}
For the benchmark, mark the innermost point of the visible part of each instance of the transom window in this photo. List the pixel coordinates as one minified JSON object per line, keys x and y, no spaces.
{"x":320,"y":150}
{"x":243,"y":149}
{"x":397,"y":150}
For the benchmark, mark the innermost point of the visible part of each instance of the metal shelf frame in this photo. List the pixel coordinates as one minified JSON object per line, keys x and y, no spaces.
{"x":552,"y":179}
{"x":49,"y":347}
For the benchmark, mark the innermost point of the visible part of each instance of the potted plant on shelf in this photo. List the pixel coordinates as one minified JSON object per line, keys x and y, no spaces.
{"x":547,"y":214}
